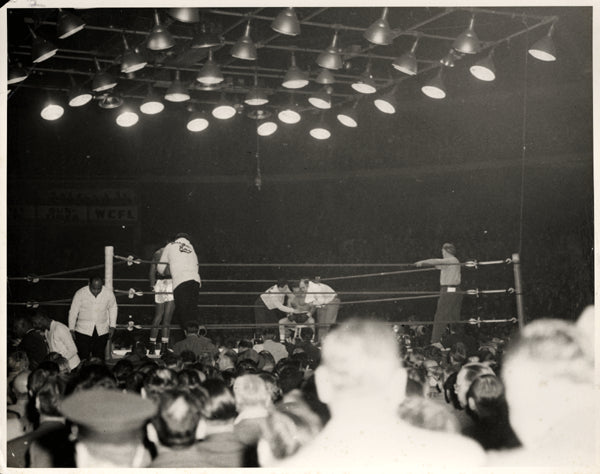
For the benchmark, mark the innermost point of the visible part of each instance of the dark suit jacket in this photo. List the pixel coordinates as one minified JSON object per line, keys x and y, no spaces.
{"x":47,"y":446}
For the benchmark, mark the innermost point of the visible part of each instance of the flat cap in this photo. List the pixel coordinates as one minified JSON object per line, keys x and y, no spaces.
{"x":108,"y":412}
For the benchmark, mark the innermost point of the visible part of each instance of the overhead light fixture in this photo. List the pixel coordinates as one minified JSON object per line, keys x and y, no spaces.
{"x":68,"y":24}
{"x":387,"y":103}
{"x":544,"y":49}
{"x":295,"y":78}
{"x":331,"y":58}
{"x":78,"y":96}
{"x":132,"y":60}
{"x":449,"y":59}
{"x":325,"y":77}
{"x":41,"y":49}
{"x":16,"y":73}
{"x":185,"y":15}
{"x":244,"y":48}
{"x":365,"y":84}
{"x":484,"y":69}
{"x":321,"y":131}
{"x":321,"y":99}
{"x":197,"y":122}
{"x":348,"y":116}
{"x":127,"y":117}
{"x":266,"y":127}
{"x":467,"y":42}
{"x":52,"y":110}
{"x":290,"y":114}
{"x":286,"y":23}
{"x":159,"y":38}
{"x":435,"y":88}
{"x":206,"y":38}
{"x":102,"y":80}
{"x":110,"y":100}
{"x":256,"y":96}
{"x":210,"y":73}
{"x":152,"y":103}
{"x":407,"y":63}
{"x":224,"y":110}
{"x":177,"y":92}
{"x":380,"y":32}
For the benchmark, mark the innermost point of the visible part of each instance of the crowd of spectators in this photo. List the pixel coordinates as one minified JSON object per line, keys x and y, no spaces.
{"x":381,"y":394}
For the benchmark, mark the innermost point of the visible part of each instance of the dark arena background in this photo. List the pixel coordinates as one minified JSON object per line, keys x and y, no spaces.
{"x":497,"y":168}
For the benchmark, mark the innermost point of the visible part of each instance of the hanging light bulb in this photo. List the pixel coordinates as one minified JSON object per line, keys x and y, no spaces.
{"x":152,"y":103}
{"x":78,"y":96}
{"x":407,"y":63}
{"x":210,"y":73}
{"x":102,"y":80}
{"x":206,"y":38}
{"x":127,"y":117}
{"x":321,"y":99}
{"x":387,"y":103}
{"x":41,"y":49}
{"x":224,"y":110}
{"x":295,"y":78}
{"x":365,"y":84}
{"x":325,"y":77}
{"x":467,"y":42}
{"x":177,"y":92}
{"x":435,"y":88}
{"x":185,"y":15}
{"x":380,"y":32}
{"x":331,"y":58}
{"x":244,"y":48}
{"x":132,"y":60}
{"x":286,"y":23}
{"x":449,"y":59}
{"x":52,"y":110}
{"x":321,"y":131}
{"x":266,"y":127}
{"x":159,"y":38}
{"x":289,"y":114}
{"x":16,"y":73}
{"x":544,"y":49}
{"x":484,"y":69}
{"x":197,"y":122}
{"x":348,"y":116}
{"x":68,"y":24}
{"x":255,"y":95}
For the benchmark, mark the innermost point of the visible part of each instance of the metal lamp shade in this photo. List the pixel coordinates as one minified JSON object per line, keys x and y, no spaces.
{"x":286,"y":23}
{"x":380,"y":32}
{"x":544,"y":49}
{"x":244,"y":48}
{"x":467,"y":42}
{"x":68,"y":24}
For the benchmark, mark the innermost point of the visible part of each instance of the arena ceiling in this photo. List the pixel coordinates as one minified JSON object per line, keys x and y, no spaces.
{"x":478,"y":124}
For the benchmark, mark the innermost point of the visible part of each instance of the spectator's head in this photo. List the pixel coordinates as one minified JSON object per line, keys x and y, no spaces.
{"x":62,"y":362}
{"x":449,"y":392}
{"x":95,"y":285}
{"x":361,"y":367}
{"x":465,"y":377}
{"x":157,"y":381}
{"x":250,"y":391}
{"x":49,"y":396}
{"x":191,"y":328}
{"x":282,"y":284}
{"x":176,"y":422}
{"x":219,"y":408}
{"x":246,"y":365}
{"x":92,"y":376}
{"x":112,"y":433}
{"x":188,"y":357}
{"x":41,"y":321}
{"x":172,"y":360}
{"x":38,"y":377}
{"x":183,"y":235}
{"x":244,"y":345}
{"x":266,"y":361}
{"x":188,"y":379}
{"x":289,"y":427}
{"x":272,"y":386}
{"x":17,"y":362}
{"x":19,"y":385}
{"x":549,"y":378}
{"x":122,"y":370}
{"x":458,"y":354}
{"x":485,"y":398}
{"x":425,"y":413}
{"x":227,"y":360}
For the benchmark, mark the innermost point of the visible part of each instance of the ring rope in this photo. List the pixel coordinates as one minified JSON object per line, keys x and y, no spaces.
{"x":366,"y":275}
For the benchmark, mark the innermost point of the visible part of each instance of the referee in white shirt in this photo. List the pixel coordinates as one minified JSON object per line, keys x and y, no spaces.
{"x":93,"y":318}
{"x":269,"y":306}
{"x":324,"y":300}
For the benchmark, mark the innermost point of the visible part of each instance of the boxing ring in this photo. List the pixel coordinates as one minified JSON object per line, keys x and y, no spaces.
{"x":128,"y":293}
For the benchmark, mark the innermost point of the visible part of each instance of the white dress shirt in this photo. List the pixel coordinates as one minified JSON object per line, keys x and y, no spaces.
{"x":88,"y":311}
{"x":60,"y":340}
{"x":274,"y":298}
{"x":182,"y":260}
{"x":319,"y":294}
